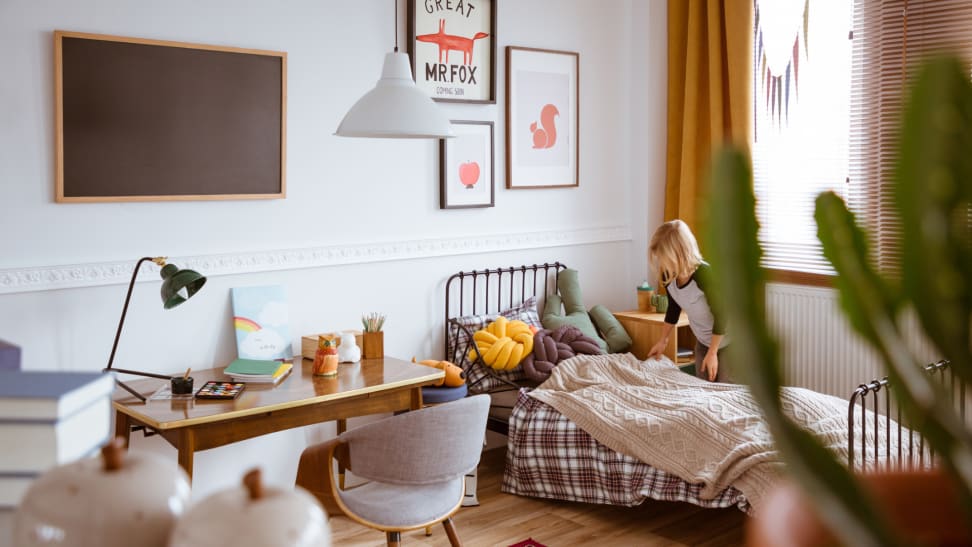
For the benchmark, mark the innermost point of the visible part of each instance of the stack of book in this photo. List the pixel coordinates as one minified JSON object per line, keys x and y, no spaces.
{"x":258,"y":371}
{"x":48,"y":419}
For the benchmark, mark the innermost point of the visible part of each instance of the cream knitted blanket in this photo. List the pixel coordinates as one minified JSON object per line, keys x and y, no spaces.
{"x":703,"y":432}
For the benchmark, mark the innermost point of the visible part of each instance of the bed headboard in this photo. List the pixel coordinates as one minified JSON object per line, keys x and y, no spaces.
{"x":493,"y":290}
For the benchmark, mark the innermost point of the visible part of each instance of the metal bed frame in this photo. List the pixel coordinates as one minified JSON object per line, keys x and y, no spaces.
{"x":480,"y":292}
{"x":911,"y":445}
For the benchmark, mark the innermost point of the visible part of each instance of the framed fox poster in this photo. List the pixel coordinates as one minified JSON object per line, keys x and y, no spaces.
{"x":452,"y":44}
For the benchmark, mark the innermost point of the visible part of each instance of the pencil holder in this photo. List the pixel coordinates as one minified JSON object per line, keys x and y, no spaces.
{"x":374,"y":344}
{"x":181,"y":386}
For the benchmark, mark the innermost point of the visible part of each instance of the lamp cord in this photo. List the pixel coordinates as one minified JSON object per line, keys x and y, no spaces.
{"x":396,"y":25}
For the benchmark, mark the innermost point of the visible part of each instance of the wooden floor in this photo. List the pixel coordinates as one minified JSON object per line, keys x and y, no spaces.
{"x":503,"y":519}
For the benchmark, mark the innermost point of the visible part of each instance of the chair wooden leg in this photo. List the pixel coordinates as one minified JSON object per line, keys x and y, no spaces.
{"x":341,"y":426}
{"x":450,"y":528}
{"x":394,"y":539}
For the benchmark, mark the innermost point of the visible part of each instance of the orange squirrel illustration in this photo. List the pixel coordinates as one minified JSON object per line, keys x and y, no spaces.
{"x":545,"y":136}
{"x":450,"y":42}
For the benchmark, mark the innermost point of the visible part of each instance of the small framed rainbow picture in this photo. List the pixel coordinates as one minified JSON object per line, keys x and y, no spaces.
{"x":260,"y":319}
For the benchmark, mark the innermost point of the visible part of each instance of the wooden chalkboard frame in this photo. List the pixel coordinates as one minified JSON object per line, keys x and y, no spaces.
{"x":194,"y":144}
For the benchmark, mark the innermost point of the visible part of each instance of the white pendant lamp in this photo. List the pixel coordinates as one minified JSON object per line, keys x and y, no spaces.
{"x":396,"y":107}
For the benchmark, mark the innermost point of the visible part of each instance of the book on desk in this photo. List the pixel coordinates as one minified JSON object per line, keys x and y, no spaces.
{"x":258,"y":371}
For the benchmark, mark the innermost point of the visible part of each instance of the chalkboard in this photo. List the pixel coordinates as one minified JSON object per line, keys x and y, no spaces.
{"x":150,"y":120}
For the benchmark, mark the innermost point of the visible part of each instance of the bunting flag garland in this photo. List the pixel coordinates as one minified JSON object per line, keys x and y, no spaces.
{"x":777,"y":86}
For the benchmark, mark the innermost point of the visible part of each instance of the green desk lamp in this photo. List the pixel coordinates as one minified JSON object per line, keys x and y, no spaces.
{"x":177,"y":287}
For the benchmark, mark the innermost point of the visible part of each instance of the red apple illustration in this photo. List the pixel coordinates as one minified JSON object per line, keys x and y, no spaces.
{"x":469,"y":173}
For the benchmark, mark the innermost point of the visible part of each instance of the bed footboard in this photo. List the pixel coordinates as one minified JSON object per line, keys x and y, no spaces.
{"x":875,"y":431}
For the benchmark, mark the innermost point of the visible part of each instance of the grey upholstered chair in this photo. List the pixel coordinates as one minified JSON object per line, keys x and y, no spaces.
{"x":416,"y":463}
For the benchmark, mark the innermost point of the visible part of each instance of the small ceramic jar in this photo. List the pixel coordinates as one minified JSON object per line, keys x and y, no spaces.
{"x":118,"y":500}
{"x":348,"y":350}
{"x":255,"y":516}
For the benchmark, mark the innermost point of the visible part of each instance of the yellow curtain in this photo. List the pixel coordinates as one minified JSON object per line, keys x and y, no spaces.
{"x":709,"y":94}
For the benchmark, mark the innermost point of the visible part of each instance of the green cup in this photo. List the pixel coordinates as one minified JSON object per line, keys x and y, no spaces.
{"x":660,"y":301}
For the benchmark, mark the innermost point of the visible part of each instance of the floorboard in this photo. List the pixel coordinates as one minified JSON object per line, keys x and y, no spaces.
{"x":503,"y":519}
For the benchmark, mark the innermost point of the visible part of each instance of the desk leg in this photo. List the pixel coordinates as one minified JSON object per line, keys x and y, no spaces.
{"x":342,"y":426}
{"x":187,"y":448}
{"x":123,"y":427}
{"x":416,"y":398}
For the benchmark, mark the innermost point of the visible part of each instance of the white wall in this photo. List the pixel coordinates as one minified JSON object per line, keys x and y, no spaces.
{"x":360,"y":229}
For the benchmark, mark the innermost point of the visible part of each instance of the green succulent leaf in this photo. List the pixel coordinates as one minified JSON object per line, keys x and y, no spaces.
{"x":740,"y":284}
{"x":845,"y":246}
{"x":933,"y":172}
{"x":933,"y":186}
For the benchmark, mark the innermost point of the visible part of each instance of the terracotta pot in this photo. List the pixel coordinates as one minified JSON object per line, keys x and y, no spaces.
{"x":921,"y":508}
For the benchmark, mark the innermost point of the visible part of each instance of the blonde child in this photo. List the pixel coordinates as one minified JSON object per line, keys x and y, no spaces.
{"x":674,"y":253}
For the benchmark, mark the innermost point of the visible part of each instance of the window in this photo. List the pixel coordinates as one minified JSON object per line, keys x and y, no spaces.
{"x":830,"y":77}
{"x":801,"y":115}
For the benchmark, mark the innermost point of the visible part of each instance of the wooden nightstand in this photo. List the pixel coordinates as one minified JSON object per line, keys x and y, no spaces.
{"x":646,"y":328}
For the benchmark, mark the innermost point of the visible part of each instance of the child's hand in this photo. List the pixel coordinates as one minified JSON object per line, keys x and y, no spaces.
{"x":710,"y":365}
{"x":658,"y":349}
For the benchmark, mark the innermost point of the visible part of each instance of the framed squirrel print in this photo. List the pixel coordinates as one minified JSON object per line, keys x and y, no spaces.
{"x":541,"y":118}
{"x":452,"y":44}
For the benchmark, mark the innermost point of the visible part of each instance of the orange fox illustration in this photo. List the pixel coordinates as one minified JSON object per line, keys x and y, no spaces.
{"x":545,"y":136}
{"x":450,"y":42}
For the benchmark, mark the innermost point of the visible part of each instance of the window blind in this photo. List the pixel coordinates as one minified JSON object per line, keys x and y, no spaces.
{"x":891,"y":38}
{"x":839,"y":129}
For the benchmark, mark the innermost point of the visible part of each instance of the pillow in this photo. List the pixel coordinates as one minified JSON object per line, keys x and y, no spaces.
{"x":503,"y":344}
{"x":610,"y":329}
{"x":478,"y":377}
{"x":574,"y":314}
{"x":552,"y":347}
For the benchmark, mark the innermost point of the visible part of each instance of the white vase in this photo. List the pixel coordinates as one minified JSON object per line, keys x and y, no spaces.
{"x":348,"y":350}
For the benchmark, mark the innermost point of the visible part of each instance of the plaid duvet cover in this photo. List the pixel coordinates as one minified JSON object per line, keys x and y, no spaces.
{"x":548,"y":456}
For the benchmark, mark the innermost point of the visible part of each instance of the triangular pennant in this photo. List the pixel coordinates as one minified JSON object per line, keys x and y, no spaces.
{"x":787,"y":92}
{"x":779,"y":98}
{"x":796,"y":67}
{"x":806,"y":20}
{"x":759,"y":45}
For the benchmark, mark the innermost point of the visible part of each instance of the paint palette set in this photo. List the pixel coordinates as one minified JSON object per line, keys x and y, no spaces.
{"x":220,"y":390}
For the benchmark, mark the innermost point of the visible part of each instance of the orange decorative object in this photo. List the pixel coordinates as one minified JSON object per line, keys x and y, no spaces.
{"x":326,"y":358}
{"x":454,"y":375}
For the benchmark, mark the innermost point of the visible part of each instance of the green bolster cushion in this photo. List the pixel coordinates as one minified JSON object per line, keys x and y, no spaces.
{"x":570,"y":297}
{"x":611,"y":330}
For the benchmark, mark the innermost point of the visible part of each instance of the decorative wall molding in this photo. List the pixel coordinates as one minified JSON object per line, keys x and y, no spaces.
{"x":44,"y":278}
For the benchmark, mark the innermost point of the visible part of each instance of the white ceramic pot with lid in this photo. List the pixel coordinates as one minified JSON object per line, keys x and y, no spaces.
{"x":118,"y":500}
{"x":255,"y":516}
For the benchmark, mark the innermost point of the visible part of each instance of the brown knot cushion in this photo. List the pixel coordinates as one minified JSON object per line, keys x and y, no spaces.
{"x":553,"y":346}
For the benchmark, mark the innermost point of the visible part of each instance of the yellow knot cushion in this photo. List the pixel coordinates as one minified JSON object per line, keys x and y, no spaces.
{"x":503,"y":343}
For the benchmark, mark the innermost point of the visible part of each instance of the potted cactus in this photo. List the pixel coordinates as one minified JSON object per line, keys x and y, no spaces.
{"x":933,"y":192}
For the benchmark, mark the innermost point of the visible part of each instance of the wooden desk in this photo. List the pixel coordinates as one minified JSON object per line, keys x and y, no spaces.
{"x":646,"y":328}
{"x":370,"y":387}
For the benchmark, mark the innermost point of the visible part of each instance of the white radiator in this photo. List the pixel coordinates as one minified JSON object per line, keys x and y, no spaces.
{"x":820,"y":351}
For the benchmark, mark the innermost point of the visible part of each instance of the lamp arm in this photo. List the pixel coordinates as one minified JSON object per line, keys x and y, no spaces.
{"x":128,"y":298}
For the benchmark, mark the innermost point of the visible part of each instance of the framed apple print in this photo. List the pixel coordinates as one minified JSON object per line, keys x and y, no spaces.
{"x":541,"y":118}
{"x":452,"y":44}
{"x":466,"y":166}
